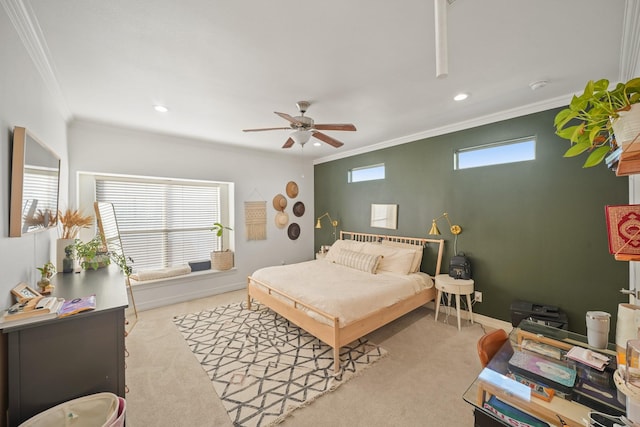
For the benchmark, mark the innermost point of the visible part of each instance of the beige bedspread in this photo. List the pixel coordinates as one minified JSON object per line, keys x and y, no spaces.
{"x":338,"y":290}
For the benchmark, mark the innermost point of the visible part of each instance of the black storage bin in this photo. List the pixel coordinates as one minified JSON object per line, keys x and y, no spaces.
{"x":540,"y":313}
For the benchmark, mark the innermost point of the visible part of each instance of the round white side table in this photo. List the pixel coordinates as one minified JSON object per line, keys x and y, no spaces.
{"x":457,"y":287}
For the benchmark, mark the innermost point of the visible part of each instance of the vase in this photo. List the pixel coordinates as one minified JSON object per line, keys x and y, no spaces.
{"x":60,"y":254}
{"x":626,"y":128}
{"x":44,"y":286}
{"x":221,"y":260}
{"x":67,"y":265}
{"x":627,"y":326}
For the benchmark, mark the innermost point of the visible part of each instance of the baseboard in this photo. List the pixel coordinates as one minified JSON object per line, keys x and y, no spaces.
{"x":487,"y":321}
{"x":150,"y":297}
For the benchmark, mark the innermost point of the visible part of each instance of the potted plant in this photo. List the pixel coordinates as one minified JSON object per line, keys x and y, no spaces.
{"x":46,"y":271}
{"x":591,"y":121}
{"x":222,"y":259}
{"x":72,"y":221}
{"x":91,"y":254}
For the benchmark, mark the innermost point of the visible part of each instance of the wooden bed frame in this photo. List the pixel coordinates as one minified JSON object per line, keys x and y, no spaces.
{"x":334,"y":334}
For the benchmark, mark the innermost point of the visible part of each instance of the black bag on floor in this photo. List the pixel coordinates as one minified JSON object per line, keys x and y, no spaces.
{"x":460,"y":266}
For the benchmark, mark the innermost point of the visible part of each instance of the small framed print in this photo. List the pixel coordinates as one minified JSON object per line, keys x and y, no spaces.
{"x":384,"y":216}
{"x":23,"y":293}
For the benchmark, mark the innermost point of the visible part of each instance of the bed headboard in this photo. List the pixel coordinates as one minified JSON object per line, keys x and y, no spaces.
{"x":418,"y":241}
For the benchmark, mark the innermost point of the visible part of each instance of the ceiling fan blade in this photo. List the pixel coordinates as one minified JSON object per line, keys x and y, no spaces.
{"x":261,"y":129}
{"x":326,"y":138}
{"x":288,"y":118}
{"x":288,"y":144}
{"x":336,"y":126}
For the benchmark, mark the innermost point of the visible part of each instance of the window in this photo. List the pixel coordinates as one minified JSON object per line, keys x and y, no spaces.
{"x":166,"y":222}
{"x":366,"y":173}
{"x":517,"y":150}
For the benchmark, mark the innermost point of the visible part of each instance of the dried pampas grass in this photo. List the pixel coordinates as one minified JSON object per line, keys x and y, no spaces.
{"x":72,"y":221}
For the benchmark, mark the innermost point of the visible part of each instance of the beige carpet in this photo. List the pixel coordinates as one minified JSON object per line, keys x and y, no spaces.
{"x":420,"y":383}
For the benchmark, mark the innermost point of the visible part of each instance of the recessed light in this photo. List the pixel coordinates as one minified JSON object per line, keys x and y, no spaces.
{"x":160,"y":108}
{"x":317,"y":144}
{"x":461,"y":97}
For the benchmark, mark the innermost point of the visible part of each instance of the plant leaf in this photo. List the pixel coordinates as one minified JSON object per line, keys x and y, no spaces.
{"x":593,"y":133}
{"x":596,"y":156}
{"x":577,"y":149}
{"x":567,"y":133}
{"x":563,"y":117}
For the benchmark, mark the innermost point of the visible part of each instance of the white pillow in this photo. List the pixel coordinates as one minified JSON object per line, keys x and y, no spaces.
{"x":417,"y":257}
{"x":395,"y":260}
{"x":338,"y":245}
{"x":358,"y":260}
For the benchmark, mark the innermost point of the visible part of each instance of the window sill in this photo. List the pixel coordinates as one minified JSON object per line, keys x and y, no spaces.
{"x":169,"y":281}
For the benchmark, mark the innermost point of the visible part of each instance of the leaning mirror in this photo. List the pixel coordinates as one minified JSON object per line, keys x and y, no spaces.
{"x":110,"y":234}
{"x":384,"y":216}
{"x":35,"y":177}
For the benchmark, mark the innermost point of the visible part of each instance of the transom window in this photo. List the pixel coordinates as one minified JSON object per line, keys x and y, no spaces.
{"x":516,"y":150}
{"x":366,"y":173}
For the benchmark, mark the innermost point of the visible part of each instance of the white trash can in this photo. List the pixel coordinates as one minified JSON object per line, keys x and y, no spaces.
{"x":95,"y":410}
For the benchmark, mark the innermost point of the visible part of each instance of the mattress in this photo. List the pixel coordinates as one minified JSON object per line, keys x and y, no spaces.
{"x":341,"y":291}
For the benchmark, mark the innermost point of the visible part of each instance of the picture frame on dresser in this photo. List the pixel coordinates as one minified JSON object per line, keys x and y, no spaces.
{"x":23,"y":292}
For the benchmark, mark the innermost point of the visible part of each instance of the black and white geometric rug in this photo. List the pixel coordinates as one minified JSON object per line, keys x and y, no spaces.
{"x":263,"y":367}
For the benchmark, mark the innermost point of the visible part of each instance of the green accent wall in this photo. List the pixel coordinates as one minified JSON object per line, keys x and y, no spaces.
{"x":533,"y":230}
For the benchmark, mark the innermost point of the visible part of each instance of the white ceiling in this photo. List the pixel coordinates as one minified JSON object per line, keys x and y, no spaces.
{"x":223,"y":66}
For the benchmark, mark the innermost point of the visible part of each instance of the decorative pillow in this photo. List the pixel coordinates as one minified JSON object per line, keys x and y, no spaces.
{"x":395,"y":260}
{"x":358,"y":260}
{"x":417,"y":257}
{"x":338,"y":245}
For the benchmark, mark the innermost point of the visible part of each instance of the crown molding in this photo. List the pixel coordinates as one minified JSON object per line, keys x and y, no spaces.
{"x":26,"y":24}
{"x":630,"y":44}
{"x":467,"y":124}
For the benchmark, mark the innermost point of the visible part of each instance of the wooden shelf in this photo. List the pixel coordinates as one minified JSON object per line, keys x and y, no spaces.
{"x":629,"y":162}
{"x":627,"y":257}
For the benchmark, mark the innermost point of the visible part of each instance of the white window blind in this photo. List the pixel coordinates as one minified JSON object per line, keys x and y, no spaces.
{"x":40,"y":192}
{"x":163,"y":223}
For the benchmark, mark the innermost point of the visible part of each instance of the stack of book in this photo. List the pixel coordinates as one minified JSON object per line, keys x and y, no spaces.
{"x":580,"y":375}
{"x":46,"y":308}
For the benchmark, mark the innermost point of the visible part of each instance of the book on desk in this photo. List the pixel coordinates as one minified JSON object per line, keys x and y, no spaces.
{"x":48,"y":309}
{"x":570,"y":379}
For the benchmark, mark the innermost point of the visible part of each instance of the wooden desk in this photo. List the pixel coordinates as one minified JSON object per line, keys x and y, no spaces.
{"x":493,"y":380}
{"x":53,"y":361}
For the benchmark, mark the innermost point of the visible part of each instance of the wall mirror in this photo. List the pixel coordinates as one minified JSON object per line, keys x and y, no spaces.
{"x":35,"y":178}
{"x":384,"y":216}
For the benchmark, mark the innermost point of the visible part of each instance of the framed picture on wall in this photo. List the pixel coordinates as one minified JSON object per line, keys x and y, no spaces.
{"x":384,"y":216}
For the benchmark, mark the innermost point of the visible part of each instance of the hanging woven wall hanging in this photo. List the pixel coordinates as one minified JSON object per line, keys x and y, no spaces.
{"x":255,"y":219}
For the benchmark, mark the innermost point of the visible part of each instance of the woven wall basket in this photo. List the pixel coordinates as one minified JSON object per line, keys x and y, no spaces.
{"x":221,"y":260}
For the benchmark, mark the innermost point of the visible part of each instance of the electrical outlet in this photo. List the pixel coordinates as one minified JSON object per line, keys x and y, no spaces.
{"x":477,"y":296}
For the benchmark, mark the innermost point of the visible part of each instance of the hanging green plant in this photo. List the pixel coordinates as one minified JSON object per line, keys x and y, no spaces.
{"x":588,"y":121}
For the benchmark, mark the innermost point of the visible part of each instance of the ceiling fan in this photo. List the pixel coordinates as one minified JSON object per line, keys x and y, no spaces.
{"x":304,"y":128}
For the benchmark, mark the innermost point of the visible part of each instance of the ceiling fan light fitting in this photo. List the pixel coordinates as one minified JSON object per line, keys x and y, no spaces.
{"x":301,"y":136}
